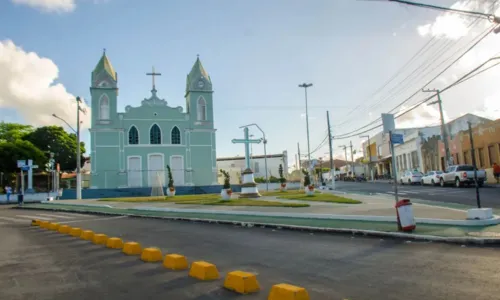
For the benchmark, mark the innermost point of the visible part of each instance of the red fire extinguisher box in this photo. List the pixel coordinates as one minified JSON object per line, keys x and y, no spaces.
{"x":404,"y":211}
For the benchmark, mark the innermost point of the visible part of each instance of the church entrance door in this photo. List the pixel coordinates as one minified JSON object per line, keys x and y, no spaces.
{"x":177,"y":166}
{"x":134,"y":171}
{"x":156,"y":166}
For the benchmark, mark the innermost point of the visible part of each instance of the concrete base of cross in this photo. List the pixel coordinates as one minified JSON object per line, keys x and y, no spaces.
{"x":249,"y":187}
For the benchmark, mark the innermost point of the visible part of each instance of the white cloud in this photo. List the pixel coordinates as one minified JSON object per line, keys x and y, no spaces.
{"x":27,"y":85}
{"x":60,"y":6}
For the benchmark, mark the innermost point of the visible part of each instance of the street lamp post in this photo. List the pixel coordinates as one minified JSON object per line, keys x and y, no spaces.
{"x":264,"y":140}
{"x":78,"y":153}
{"x":305,"y":86}
{"x":369,"y":155}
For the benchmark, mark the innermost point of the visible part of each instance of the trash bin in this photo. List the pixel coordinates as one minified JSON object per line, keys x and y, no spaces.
{"x":20,"y":199}
{"x":404,"y":211}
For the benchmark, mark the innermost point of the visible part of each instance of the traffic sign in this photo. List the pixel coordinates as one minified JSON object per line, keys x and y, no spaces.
{"x":397,"y":138}
{"x":25,"y":168}
{"x":21,"y":163}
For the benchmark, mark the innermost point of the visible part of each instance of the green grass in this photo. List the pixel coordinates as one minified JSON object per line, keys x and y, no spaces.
{"x":207,"y":199}
{"x":320,"y":198}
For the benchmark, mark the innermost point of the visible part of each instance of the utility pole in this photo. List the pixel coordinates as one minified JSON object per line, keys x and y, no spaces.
{"x":473,"y":154}
{"x":305,"y":86}
{"x":298,"y":151}
{"x":78,"y":154}
{"x":369,"y":155}
{"x":330,"y":141}
{"x":444,"y":130}
{"x":352,"y":160}
{"x":345,"y":155}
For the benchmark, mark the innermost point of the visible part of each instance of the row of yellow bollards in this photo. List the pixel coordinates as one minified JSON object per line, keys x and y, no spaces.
{"x":237,"y":281}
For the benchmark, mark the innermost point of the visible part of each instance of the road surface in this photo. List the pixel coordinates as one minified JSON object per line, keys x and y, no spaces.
{"x":490,"y":196}
{"x":38,"y":264}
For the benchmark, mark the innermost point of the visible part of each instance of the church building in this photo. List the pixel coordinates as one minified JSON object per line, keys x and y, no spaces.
{"x":133,"y":148}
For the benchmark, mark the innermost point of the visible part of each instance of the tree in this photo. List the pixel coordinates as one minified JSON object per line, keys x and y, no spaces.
{"x":280,"y":172}
{"x":307,"y":178}
{"x":170,"y":178}
{"x":11,"y":152}
{"x":11,"y":132}
{"x":227,"y":179}
{"x":61,"y":143}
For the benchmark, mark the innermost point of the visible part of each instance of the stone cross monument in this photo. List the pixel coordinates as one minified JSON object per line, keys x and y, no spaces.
{"x":248,"y":187}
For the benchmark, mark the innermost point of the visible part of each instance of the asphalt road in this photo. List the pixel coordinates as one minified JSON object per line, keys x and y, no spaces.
{"x":490,"y":196}
{"x":38,"y":264}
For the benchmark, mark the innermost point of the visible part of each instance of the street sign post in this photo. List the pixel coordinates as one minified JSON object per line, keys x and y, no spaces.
{"x":397,"y":138}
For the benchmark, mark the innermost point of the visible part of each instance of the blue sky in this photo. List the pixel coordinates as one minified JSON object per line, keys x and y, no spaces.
{"x":256,"y":53}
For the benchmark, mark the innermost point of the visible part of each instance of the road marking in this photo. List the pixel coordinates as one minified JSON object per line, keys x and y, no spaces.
{"x":75,"y":214}
{"x":97,"y":219}
{"x":399,"y":193}
{"x":34,"y":217}
{"x":12,"y":220}
{"x":56,"y":216}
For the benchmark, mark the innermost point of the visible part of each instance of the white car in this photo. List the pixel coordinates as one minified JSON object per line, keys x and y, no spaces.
{"x":411,"y":177}
{"x":432,"y":177}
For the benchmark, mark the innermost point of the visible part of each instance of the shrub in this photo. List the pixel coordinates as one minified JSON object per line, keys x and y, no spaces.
{"x":170,"y":178}
{"x":273,"y":179}
{"x":227,"y":179}
{"x":280,"y":171}
{"x":307,"y":178}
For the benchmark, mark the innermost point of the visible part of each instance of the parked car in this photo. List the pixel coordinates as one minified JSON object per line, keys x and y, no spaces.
{"x":460,"y":175}
{"x":432,"y":177}
{"x":411,"y":177}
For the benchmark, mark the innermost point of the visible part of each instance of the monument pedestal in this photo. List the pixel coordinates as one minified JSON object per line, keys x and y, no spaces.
{"x":249,"y":187}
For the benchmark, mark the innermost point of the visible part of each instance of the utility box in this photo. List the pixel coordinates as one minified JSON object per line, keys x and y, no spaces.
{"x":406,"y":219}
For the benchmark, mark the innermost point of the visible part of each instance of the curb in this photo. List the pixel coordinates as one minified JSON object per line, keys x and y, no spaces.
{"x":354,"y":232}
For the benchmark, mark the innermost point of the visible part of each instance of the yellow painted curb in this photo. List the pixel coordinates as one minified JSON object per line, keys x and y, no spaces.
{"x":76,"y":232}
{"x":241,"y":282}
{"x":114,"y":243}
{"x":64,"y":229}
{"x":54,"y":226}
{"x":87,"y":235}
{"x":100,"y":239}
{"x":203,"y":270}
{"x":132,"y":248}
{"x":285,"y":291}
{"x":175,"y":262}
{"x":151,"y":255}
{"x":44,"y":224}
{"x":35,"y":222}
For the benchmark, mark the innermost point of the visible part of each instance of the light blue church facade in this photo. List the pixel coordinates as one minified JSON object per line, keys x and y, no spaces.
{"x":131,"y":149}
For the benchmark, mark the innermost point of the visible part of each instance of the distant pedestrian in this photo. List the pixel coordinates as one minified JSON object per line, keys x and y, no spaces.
{"x":496,"y":172}
{"x":8,"y":191}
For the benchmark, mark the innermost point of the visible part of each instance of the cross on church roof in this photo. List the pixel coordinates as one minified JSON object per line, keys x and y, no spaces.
{"x":153,"y":74}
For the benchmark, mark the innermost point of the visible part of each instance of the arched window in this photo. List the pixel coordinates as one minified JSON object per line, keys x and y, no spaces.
{"x":201,"y":109}
{"x":133,"y":136}
{"x":176,"y":136}
{"x":155,"y":135}
{"x":104,"y":108}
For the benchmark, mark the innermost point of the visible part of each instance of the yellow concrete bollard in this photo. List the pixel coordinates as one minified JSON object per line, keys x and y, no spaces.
{"x":114,"y":243}
{"x":100,"y":239}
{"x":175,"y":262}
{"x":203,"y":270}
{"x":64,"y":229}
{"x":241,"y":282}
{"x":285,"y":291}
{"x":35,"y":222}
{"x":44,"y":224}
{"x":54,"y":226}
{"x":87,"y":235}
{"x":151,"y":255}
{"x":132,"y":248}
{"x":76,"y":232}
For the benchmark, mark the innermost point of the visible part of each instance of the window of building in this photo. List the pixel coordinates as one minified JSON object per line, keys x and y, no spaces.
{"x":480,"y":152}
{"x":104,"y":108}
{"x":457,"y":160}
{"x":379,"y":150}
{"x":176,"y":136}
{"x":201,"y":110}
{"x":256,"y":167}
{"x":466,"y":157}
{"x":155,"y":135}
{"x":492,"y":154}
{"x":133,"y":136}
